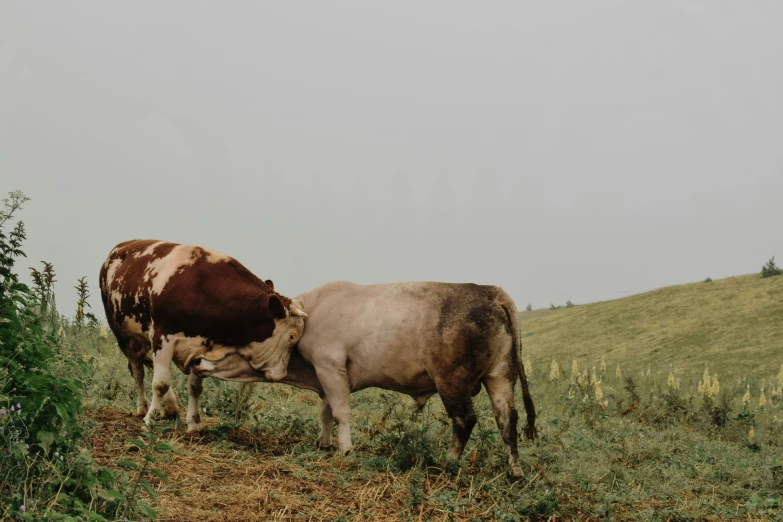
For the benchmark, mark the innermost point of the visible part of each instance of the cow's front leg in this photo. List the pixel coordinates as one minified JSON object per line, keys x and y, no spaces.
{"x":338,"y":392}
{"x":162,"y":353}
{"x":327,"y":422}
{"x":195,"y":387}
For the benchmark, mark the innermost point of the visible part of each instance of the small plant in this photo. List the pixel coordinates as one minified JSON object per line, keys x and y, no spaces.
{"x":529,"y":308}
{"x":83,"y":292}
{"x":771,"y":269}
{"x":43,"y":291}
{"x":554,"y":371}
{"x":127,"y":498}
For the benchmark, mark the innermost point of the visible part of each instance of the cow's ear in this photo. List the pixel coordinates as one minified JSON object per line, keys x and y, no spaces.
{"x":270,"y":284}
{"x":276,"y":307}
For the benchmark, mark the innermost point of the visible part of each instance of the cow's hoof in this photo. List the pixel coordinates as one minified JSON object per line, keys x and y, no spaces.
{"x":515,"y":474}
{"x":321,"y":446}
{"x":172,"y":416}
{"x":193,"y":429}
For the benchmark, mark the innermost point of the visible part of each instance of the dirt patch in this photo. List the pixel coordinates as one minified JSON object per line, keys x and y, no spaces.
{"x":242,"y":476}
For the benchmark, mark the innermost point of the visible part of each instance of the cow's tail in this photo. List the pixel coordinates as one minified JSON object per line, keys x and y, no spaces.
{"x":511,"y":315}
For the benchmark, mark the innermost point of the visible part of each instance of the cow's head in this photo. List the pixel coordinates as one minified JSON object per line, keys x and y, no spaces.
{"x":271,"y":356}
{"x":232,"y":367}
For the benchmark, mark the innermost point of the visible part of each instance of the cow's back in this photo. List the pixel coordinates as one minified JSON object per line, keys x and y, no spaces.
{"x":393,"y":333}
{"x":183,"y":289}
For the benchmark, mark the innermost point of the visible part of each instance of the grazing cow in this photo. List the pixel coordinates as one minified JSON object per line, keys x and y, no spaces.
{"x":184,"y":301}
{"x":416,"y":338}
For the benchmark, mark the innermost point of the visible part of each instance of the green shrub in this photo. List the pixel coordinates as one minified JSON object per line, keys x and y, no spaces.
{"x":46,"y":470}
{"x":771,"y":269}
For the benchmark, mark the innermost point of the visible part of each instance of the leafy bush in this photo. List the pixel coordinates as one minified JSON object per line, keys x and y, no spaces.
{"x":46,"y":470}
{"x":771,"y":269}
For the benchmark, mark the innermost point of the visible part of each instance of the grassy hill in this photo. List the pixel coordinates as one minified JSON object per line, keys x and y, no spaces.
{"x":735,"y":325}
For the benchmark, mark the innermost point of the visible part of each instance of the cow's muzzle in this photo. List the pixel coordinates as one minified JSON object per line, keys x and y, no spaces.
{"x":201,"y":367}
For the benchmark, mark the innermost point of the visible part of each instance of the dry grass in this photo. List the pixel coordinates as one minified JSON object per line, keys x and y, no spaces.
{"x":247,"y":477}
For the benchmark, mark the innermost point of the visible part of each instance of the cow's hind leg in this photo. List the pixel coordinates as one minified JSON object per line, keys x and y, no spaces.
{"x":195,"y":387}
{"x":162,"y":353}
{"x":501,"y":393}
{"x":463,"y":418}
{"x":135,"y":353}
{"x":327,"y":422}
{"x":136,"y":367}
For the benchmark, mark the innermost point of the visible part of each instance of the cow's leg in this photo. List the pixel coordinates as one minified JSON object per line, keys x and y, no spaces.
{"x":133,"y":350}
{"x":136,"y":367}
{"x":137,"y":370}
{"x":463,"y":418}
{"x":501,"y":393}
{"x":335,"y":385}
{"x":327,"y":421}
{"x":195,"y":387}
{"x":162,"y":353}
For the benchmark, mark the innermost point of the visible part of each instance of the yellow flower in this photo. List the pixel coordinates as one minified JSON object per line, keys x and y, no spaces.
{"x":574,"y":371}
{"x":603,"y":365}
{"x":751,"y":435}
{"x":618,"y":373}
{"x":715,"y":388}
{"x":746,"y":397}
{"x":762,"y":399}
{"x":528,"y":368}
{"x":554,"y":371}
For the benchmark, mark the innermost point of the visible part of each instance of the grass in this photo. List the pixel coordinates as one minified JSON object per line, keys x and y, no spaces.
{"x":734,"y":324}
{"x":640,"y":450}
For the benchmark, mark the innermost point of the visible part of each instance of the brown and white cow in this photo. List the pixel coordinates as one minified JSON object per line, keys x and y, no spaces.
{"x":417,"y":338}
{"x":170,"y":302}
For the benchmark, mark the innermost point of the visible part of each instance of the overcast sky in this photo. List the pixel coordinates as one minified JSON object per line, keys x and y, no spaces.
{"x":581,"y":150}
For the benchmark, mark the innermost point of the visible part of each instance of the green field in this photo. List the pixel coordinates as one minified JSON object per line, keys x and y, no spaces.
{"x":658,"y":442}
{"x":735,"y":325}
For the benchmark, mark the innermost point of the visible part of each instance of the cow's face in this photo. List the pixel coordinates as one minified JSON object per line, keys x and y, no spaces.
{"x":271,"y":356}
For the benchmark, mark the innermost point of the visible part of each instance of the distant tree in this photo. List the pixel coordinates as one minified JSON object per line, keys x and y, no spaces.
{"x":569,"y":304}
{"x":553,"y":307}
{"x":708,"y":280}
{"x":771,"y":269}
{"x":529,"y":307}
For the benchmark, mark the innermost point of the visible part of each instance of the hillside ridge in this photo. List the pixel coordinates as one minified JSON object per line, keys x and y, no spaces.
{"x":734,"y":325}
